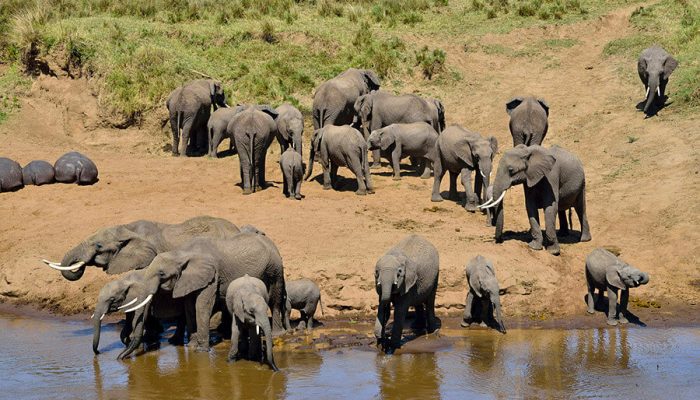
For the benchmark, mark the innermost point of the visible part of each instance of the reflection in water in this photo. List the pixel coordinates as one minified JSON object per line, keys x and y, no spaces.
{"x":42,"y":358}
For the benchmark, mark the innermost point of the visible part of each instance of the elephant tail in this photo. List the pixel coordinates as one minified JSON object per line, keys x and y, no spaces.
{"x":253,"y":176}
{"x":570,"y":224}
{"x":321,"y":117}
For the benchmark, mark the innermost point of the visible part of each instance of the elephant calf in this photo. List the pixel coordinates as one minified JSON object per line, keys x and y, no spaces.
{"x":398,"y":141}
{"x":406,"y":276}
{"x":483,"y":293}
{"x":604,"y":270}
{"x":10,"y":175}
{"x":290,"y":127}
{"x":303,"y":295}
{"x":74,"y":167}
{"x":655,"y":66}
{"x":341,"y":146}
{"x":217,"y":128}
{"x":246,"y":299}
{"x":292,"y":173}
{"x":38,"y":172}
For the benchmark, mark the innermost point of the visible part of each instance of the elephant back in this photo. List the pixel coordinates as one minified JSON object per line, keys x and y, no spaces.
{"x":174,"y":236}
{"x":190,"y":97}
{"x":10,"y":175}
{"x":423,"y":253}
{"x":253,"y":254}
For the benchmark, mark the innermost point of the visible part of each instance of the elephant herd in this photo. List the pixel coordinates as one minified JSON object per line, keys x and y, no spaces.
{"x":72,"y":167}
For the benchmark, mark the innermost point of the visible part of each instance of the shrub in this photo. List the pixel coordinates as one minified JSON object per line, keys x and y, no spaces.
{"x":268,"y":32}
{"x":430,"y":62}
{"x":329,"y":8}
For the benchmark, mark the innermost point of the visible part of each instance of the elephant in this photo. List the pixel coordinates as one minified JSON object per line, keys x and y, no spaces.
{"x":407,"y":275}
{"x":38,"y":172}
{"x":303,"y":295}
{"x":290,"y":128}
{"x":200,"y":272}
{"x":553,"y":179}
{"x":253,"y":130}
{"x":10,"y":175}
{"x":528,"y":120}
{"x":397,"y":141}
{"x":340,"y":146}
{"x":604,"y":271}
{"x":122,"y":294}
{"x":655,"y":66}
{"x":189,"y":107}
{"x":378,"y":109}
{"x":462,"y":151}
{"x":120,"y":248}
{"x":217,"y":128}
{"x":482,"y":294}
{"x":334,"y":99}
{"x":247,"y":300}
{"x":74,"y":167}
{"x":292,"y":173}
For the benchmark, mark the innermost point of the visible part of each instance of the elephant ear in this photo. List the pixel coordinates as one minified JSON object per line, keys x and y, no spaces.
{"x":493,"y":142}
{"x":196,"y":274}
{"x":540,"y":163}
{"x":544,"y":105}
{"x":475,"y":284}
{"x":612,"y":275}
{"x":669,"y":66}
{"x":642,"y":67}
{"x":269,"y":111}
{"x":512,"y":104}
{"x":411,"y":276}
{"x":464,"y":152}
{"x":441,"y":114}
{"x":135,"y":252}
{"x":387,"y":139}
{"x":373,"y":82}
{"x":316,"y":140}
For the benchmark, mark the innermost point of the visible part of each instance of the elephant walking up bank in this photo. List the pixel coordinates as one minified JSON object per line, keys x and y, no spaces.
{"x":340,"y":146}
{"x":528,"y":120}
{"x":189,"y":107}
{"x":655,"y":66}
{"x":334,"y":99}
{"x":406,"y":276}
{"x":553,"y":180}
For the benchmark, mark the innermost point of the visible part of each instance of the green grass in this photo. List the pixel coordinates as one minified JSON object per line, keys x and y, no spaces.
{"x":13,"y":84}
{"x":675,"y":25}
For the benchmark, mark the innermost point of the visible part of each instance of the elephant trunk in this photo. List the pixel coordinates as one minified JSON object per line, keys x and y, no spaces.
{"x":100,"y":311}
{"x":652,"y":89}
{"x":497,"y":312}
{"x":82,"y":252}
{"x":310,"y":167}
{"x":264,"y":324}
{"x":645,"y":279}
{"x":387,"y":279}
{"x":296,"y":142}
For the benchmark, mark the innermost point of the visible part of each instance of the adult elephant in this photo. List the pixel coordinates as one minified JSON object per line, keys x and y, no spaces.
{"x":290,"y":127}
{"x":655,"y":66}
{"x":217,"y":128}
{"x":528,"y":120}
{"x":334,"y":99}
{"x":10,"y":175}
{"x":121,"y":248}
{"x":200,"y":273}
{"x":190,"y":106}
{"x":381,"y":108}
{"x":462,"y":151}
{"x":553,"y":180}
{"x":253,"y":130}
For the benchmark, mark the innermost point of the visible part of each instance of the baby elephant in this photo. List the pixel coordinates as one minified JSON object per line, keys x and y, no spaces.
{"x":482,"y":296}
{"x":406,"y":276}
{"x":10,"y":175}
{"x":303,"y":295}
{"x":247,"y":299}
{"x":605,"y":271}
{"x":398,"y":141}
{"x":292,"y":172}
{"x":74,"y":167}
{"x":38,"y":172}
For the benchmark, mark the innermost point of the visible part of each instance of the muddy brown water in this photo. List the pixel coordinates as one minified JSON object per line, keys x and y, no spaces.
{"x":45,"y":358}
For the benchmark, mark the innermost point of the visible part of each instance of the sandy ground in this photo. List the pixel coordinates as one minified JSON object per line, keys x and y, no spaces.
{"x":642,"y":196}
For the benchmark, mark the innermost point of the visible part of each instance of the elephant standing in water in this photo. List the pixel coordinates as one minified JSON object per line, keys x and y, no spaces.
{"x":553,"y":180}
{"x":655,"y":66}
{"x":200,"y":273}
{"x":406,"y":276}
{"x":334,"y":99}
{"x":10,"y":175}
{"x":482,"y":294}
{"x":303,"y":295}
{"x":528,"y":120}
{"x":290,"y":128}
{"x":253,"y":130}
{"x":604,"y":271}
{"x":246,"y":300}
{"x":189,"y":107}
{"x":38,"y":172}
{"x":120,"y":248}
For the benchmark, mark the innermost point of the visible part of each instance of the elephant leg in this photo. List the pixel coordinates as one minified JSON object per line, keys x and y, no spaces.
{"x":563,"y":224}
{"x":612,"y":305}
{"x":254,"y":353}
{"x":467,"y":317}
{"x":262,"y":157}
{"x":453,"y":186}
{"x":185,"y":136}
{"x":470,"y":200}
{"x":485,"y":307}
{"x":583,"y":219}
{"x":191,"y":318}
{"x":420,"y":319}
{"x":277,"y":305}
{"x":624,"y":299}
{"x":534,"y":217}
{"x":427,"y":165}
{"x":376,"y":159}
{"x":297,"y":190}
{"x":244,"y":158}
{"x":479,"y":184}
{"x":204,"y":304}
{"x":395,"y":162}
{"x":178,"y":338}
{"x":153,"y":330}
{"x":550,"y":220}
{"x":334,"y":175}
{"x":235,"y":337}
{"x":286,"y":189}
{"x":302,"y":320}
{"x":327,"y":183}
{"x":431,"y":319}
{"x":125,"y":334}
{"x":590,"y":301}
{"x":383,"y":312}
{"x":438,"y":173}
{"x":175,"y":128}
{"x":357,"y":167}
{"x":400,"y":311}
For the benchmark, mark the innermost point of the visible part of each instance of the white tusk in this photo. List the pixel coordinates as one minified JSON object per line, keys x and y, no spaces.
{"x":482,"y":174}
{"x":489,"y":201}
{"x":647,"y":95}
{"x":143,"y":303}
{"x":103,"y":315}
{"x":257,"y":330}
{"x":495,"y":203}
{"x":92,"y":316}
{"x":62,"y":268}
{"x":658,"y":91}
{"x":128,"y":304}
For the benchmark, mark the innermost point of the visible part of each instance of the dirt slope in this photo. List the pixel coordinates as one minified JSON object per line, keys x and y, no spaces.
{"x":642,"y":196}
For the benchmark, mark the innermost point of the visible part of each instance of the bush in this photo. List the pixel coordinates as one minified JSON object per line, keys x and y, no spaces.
{"x":430,"y":62}
{"x":268,"y":32}
{"x":329,"y":8}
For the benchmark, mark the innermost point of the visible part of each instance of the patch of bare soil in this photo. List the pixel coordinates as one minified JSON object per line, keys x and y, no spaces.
{"x":642,"y":194}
